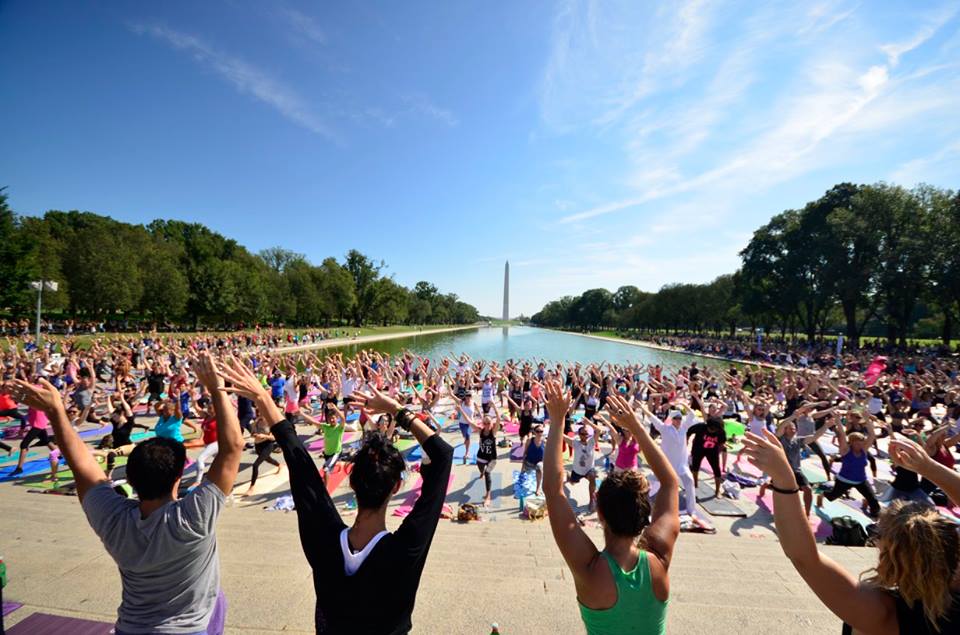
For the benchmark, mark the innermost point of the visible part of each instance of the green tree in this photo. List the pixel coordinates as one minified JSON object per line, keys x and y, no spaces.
{"x":365,"y":274}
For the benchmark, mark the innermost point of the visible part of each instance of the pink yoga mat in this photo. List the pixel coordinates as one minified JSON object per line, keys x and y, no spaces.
{"x":511,"y":427}
{"x":404,"y":510}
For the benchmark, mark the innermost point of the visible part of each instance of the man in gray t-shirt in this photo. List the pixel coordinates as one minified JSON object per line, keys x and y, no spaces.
{"x":168,"y":561}
{"x":164,"y":546}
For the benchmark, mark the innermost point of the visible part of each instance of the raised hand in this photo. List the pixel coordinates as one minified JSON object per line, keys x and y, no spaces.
{"x":909,"y":454}
{"x":377,"y":402}
{"x":558,"y":401}
{"x":206,"y":371}
{"x":243,"y":381}
{"x":622,"y":414}
{"x":43,"y":397}
{"x":766,"y":453}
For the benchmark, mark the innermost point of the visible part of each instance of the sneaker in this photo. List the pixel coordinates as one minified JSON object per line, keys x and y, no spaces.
{"x":16,"y":472}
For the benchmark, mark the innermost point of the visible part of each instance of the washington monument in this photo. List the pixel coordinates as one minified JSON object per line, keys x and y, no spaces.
{"x":506,"y":291}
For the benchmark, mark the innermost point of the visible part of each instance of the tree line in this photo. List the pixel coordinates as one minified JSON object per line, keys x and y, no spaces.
{"x":176,"y":272}
{"x":875,"y":259}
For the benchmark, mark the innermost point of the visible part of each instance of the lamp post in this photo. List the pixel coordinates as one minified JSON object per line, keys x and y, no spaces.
{"x":39,"y":286}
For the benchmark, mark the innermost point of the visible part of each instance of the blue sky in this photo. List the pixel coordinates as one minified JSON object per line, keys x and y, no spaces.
{"x":592,"y":143}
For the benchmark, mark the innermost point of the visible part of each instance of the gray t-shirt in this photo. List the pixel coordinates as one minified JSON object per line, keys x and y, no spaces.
{"x":168,"y":562}
{"x":792,"y":448}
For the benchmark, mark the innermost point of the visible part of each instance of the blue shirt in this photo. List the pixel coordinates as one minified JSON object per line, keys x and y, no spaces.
{"x":276,"y":387}
{"x":169,"y":428}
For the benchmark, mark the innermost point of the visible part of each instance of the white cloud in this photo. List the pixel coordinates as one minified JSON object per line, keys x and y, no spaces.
{"x":421,"y":104}
{"x":815,"y":118}
{"x":934,"y":22}
{"x":245,"y":77}
{"x":303,"y":25}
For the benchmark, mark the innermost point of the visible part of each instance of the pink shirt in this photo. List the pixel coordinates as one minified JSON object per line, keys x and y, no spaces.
{"x":627,"y":455}
{"x":37,"y":419}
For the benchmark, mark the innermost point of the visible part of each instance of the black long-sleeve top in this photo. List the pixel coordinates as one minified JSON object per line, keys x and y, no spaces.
{"x":380,"y":596}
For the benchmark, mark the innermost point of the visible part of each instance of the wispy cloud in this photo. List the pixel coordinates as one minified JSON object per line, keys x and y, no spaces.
{"x":421,"y":104}
{"x":933,"y":23}
{"x":303,"y":25}
{"x":808,"y":118}
{"x":245,"y":77}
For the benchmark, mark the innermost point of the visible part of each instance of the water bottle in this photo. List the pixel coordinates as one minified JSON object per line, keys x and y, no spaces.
{"x":3,"y":573}
{"x":494,"y":629}
{"x":523,"y":499}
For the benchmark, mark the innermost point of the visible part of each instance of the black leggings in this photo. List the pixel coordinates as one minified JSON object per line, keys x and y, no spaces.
{"x":713,"y":458}
{"x":263,"y":449}
{"x":840,"y":488}
{"x":15,"y":414}
{"x":485,"y":469}
{"x":815,"y":446}
{"x":8,"y":448}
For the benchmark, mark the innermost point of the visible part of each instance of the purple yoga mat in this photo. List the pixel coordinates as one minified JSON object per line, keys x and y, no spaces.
{"x":10,"y":607}
{"x":46,"y":624}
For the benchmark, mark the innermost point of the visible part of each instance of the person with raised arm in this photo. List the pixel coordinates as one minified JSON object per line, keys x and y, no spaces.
{"x":365,"y":577}
{"x":164,"y":547}
{"x":914,"y":588}
{"x":624,"y":588}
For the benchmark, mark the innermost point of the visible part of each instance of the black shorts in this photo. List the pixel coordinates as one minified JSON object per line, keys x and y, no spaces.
{"x":576,"y":478}
{"x":525,"y":426}
{"x":34,"y":434}
{"x":801,"y":479}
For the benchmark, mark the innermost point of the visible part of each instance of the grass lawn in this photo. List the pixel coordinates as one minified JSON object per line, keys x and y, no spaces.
{"x":84,"y":341}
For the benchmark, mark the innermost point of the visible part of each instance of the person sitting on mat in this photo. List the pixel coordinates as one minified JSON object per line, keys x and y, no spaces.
{"x":624,"y":588}
{"x":165,"y":548}
{"x":354,"y":566}
{"x":914,"y":587}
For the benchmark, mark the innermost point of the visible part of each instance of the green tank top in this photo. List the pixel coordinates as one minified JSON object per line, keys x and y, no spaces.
{"x":637,"y":609}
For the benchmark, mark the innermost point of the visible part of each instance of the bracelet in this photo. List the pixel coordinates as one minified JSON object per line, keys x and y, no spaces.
{"x":405,"y":419}
{"x":782,"y":491}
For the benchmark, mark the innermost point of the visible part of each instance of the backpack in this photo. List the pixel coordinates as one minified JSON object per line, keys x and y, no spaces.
{"x":847,"y":532}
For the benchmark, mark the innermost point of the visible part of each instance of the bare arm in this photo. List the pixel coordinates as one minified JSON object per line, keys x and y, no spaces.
{"x":867,"y":609}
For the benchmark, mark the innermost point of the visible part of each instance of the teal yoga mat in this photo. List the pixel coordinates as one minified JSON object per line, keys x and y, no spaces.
{"x":477,"y":490}
{"x":717,"y":506}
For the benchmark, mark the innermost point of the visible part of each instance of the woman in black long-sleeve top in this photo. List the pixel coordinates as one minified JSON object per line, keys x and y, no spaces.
{"x":365,"y":577}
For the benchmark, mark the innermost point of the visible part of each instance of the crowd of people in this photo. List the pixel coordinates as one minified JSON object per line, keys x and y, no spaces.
{"x":637,"y":434}
{"x":791,"y":352}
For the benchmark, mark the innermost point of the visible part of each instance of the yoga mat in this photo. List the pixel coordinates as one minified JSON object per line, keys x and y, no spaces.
{"x":46,"y":624}
{"x":416,"y":454}
{"x":29,"y":468}
{"x":403,"y":510}
{"x":516,"y":453}
{"x":478,"y":490}
{"x":716,"y":506}
{"x":13,"y":458}
{"x":814,"y":476}
{"x":404,"y":444}
{"x":832,"y":509}
{"x":10,"y":607}
{"x":511,"y":427}
{"x":734,"y":428}
{"x":524,"y":484}
{"x":336,"y":477}
{"x":459,"y":451}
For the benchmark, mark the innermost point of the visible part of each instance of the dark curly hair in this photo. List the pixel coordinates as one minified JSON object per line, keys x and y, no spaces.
{"x":154,"y":467}
{"x":377,"y":468}
{"x":624,"y":502}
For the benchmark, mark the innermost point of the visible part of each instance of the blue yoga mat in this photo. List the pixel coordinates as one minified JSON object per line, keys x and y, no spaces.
{"x":478,"y":490}
{"x":29,"y":468}
{"x":416,"y":454}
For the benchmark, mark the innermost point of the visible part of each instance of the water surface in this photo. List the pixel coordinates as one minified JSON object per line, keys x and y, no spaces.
{"x":527,"y":343}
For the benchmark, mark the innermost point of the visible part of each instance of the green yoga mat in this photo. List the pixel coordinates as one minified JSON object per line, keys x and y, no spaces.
{"x":834,"y":509}
{"x":65,"y":478}
{"x":404,"y":444}
{"x":734,"y":428}
{"x":717,"y":506}
{"x":814,"y":477}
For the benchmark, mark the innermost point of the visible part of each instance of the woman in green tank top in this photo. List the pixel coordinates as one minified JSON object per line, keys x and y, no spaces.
{"x":623,"y":589}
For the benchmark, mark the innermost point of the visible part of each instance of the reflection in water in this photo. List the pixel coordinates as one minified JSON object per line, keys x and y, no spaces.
{"x":525,"y":343}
